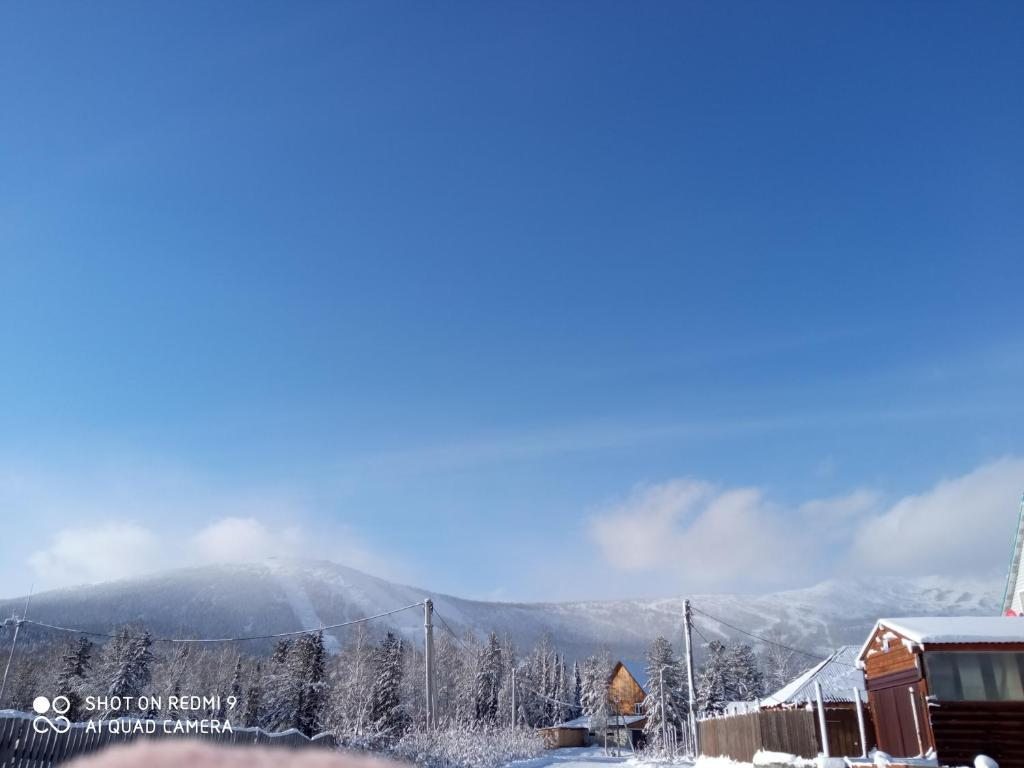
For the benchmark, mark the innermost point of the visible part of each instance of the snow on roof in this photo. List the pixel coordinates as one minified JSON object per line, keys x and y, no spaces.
{"x":954,"y":629}
{"x":837,"y":674}
{"x":584,"y":721}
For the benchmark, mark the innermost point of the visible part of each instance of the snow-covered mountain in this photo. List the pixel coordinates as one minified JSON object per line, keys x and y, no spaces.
{"x":264,"y":598}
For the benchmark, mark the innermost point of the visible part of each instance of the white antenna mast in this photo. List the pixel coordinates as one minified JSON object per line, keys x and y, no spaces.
{"x":1015,"y":578}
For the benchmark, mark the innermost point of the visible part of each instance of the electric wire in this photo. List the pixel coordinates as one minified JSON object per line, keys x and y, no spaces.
{"x":292,"y":633}
{"x":696,"y":629}
{"x":818,"y":656}
{"x":451,"y":632}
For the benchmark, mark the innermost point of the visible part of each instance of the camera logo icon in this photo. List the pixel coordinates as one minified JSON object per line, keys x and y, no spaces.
{"x":59,"y":723}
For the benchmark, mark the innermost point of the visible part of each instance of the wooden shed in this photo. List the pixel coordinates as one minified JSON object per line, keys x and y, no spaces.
{"x":949,"y":686}
{"x":619,"y":730}
{"x":564,"y":735}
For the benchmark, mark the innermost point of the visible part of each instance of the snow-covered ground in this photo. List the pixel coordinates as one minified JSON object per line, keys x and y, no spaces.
{"x":591,"y":757}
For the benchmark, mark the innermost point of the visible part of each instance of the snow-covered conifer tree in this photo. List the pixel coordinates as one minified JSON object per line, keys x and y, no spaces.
{"x":127,"y":661}
{"x":488,"y":681}
{"x":74,"y":664}
{"x":711,"y":695}
{"x":508,"y":663}
{"x":596,"y":675}
{"x":577,"y":686}
{"x":280,"y":694}
{"x":744,"y":680}
{"x":254,"y":698}
{"x":386,"y":713}
{"x":665,"y":705}
{"x":566,"y":693}
{"x":307,"y":669}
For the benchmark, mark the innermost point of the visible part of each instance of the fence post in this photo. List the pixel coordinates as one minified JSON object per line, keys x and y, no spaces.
{"x":917,"y":725}
{"x":860,"y":723}
{"x":821,"y":719}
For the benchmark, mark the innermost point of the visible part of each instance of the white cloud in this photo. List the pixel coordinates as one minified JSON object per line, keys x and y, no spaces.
{"x":244,"y":539}
{"x":962,"y":526}
{"x":120,"y":549}
{"x":694,"y":534}
{"x":109,"y":524}
{"x":690,"y":534}
{"x":108,"y":551}
{"x":247,"y":539}
{"x":644,"y":529}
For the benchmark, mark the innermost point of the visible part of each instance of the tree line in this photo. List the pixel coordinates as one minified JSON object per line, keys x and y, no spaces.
{"x":371,"y":692}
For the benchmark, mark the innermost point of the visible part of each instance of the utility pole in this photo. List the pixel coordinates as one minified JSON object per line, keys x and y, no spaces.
{"x":689,"y":677}
{"x":428,"y":656}
{"x":14,"y":643}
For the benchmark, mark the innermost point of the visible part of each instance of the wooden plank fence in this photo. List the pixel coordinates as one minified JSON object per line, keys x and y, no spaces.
{"x":794,"y":731}
{"x":21,"y":746}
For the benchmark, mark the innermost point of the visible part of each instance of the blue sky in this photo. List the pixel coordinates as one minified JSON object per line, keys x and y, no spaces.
{"x":450,"y":290}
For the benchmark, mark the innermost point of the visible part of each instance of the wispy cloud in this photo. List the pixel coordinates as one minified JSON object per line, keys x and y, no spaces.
{"x":116,"y":549}
{"x":108,"y":524}
{"x":963,"y":525}
{"x":597,"y":436}
{"x":691,"y":534}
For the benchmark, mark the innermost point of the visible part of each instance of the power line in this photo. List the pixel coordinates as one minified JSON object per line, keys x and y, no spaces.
{"x":293,"y":633}
{"x":817,"y":656}
{"x":535,"y":692}
{"x":696,"y":629}
{"x":451,"y":632}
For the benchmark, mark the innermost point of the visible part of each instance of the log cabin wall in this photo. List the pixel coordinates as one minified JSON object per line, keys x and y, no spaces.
{"x":888,"y":653}
{"x":897,"y":672}
{"x":624,"y":692}
{"x":897,"y":694}
{"x":965,"y":729}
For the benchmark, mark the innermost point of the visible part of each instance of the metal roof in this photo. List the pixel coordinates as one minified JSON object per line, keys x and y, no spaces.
{"x":838,"y":675}
{"x":584,"y":721}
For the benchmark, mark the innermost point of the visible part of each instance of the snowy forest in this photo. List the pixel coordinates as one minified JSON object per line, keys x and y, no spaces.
{"x":370,"y":693}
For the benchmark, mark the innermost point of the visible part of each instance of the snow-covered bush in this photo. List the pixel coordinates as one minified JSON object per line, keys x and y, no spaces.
{"x":455,"y":747}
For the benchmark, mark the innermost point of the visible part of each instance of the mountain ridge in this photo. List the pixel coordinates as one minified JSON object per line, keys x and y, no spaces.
{"x":245,"y":599}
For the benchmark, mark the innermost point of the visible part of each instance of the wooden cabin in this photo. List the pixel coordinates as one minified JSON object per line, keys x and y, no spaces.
{"x":623,"y":728}
{"x":952,"y":687}
{"x":625,"y":694}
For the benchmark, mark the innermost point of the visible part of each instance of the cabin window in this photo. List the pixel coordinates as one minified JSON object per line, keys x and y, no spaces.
{"x":638,"y":708}
{"x":975,"y":676}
